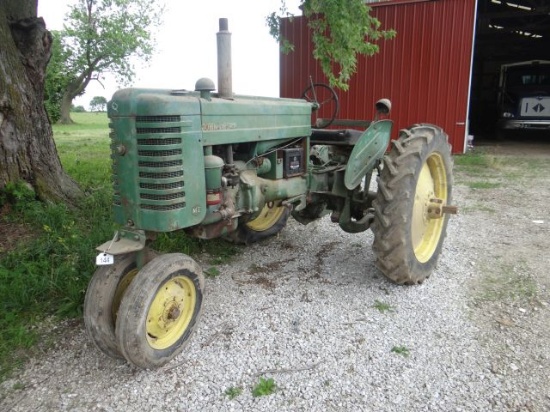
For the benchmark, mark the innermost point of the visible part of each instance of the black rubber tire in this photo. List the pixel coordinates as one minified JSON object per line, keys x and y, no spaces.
{"x":103,"y":298}
{"x":171,"y":278}
{"x":397,"y":188}
{"x":247,"y":234}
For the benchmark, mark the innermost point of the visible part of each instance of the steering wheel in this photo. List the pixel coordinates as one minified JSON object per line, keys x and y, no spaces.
{"x":320,"y":95}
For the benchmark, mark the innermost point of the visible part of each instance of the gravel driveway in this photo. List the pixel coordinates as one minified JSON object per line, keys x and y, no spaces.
{"x":309,"y":310}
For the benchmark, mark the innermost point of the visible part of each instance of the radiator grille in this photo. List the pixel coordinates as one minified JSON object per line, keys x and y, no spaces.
{"x":170,"y":163}
{"x":151,"y":153}
{"x":175,"y":206}
{"x":114,"y":167}
{"x":158,"y":119}
{"x":159,"y":189}
{"x":159,"y":130}
{"x":161,"y":175}
{"x":159,"y":142}
{"x":169,"y":196}
{"x":161,"y":186}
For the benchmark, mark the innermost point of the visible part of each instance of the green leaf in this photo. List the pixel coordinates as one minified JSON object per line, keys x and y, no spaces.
{"x":341,"y":30}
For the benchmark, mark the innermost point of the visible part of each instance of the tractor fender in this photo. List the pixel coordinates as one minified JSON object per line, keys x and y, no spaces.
{"x":370,"y":148}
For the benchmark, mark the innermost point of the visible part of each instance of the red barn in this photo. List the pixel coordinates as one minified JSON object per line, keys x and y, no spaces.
{"x":427,"y":70}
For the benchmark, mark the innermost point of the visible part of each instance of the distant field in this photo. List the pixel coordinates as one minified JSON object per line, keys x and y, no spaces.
{"x":84,"y":148}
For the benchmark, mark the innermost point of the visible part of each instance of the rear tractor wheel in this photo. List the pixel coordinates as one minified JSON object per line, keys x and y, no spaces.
{"x":160,"y":310}
{"x":412,"y":204}
{"x":271,"y":220}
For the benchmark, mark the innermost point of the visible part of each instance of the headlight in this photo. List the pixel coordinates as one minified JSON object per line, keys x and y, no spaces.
{"x":507,"y":115}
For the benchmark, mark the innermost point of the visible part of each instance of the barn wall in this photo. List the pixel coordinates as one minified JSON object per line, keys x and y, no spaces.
{"x":424,"y":71}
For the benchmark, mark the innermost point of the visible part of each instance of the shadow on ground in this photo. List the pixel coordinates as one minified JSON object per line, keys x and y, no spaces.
{"x":520,"y":143}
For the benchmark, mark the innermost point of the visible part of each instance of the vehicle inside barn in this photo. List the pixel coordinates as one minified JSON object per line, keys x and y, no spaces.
{"x":511,"y":72}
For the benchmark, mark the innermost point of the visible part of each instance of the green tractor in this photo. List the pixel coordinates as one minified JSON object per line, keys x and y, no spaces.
{"x":224,"y":165}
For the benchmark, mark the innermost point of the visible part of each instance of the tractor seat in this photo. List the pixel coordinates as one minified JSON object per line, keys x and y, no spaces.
{"x":344,"y":137}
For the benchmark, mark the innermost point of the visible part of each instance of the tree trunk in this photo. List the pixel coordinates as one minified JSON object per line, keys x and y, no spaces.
{"x":66,"y":104}
{"x":27,"y":148}
{"x":74,"y":88}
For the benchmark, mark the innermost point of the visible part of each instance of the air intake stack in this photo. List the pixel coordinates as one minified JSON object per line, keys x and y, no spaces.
{"x":225,"y":82}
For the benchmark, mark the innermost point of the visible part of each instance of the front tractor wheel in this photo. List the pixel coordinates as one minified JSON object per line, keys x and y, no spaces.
{"x":411,"y":207}
{"x":160,"y":310}
{"x":271,"y":220}
{"x":103,"y":297}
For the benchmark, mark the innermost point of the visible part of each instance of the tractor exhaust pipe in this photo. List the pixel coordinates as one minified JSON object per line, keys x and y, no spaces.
{"x":225,"y":82}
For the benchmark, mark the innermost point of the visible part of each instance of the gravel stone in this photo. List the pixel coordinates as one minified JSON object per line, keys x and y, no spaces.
{"x":299,"y":308}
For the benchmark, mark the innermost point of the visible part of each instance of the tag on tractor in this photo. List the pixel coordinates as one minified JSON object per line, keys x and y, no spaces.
{"x":104,"y":259}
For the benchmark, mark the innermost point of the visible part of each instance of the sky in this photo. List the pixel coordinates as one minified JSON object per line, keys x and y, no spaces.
{"x":186,"y":46}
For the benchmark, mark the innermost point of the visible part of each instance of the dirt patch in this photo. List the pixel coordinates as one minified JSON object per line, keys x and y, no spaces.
{"x":261,"y":281}
{"x":506,"y":228}
{"x":538,"y":146}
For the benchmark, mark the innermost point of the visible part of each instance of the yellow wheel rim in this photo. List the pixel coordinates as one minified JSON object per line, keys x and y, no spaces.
{"x":268,"y":217}
{"x":171,"y":312}
{"x":121,"y":289}
{"x":432,"y":184}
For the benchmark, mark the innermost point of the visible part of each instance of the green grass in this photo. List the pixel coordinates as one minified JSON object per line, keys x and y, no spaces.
{"x":18,"y":386}
{"x":483,"y":185}
{"x":47,"y":275}
{"x":382,"y":306}
{"x":264,"y":387}
{"x":233,"y":392}
{"x":212,"y":272}
{"x":506,"y":283}
{"x":84,"y":149}
{"x":401,"y":350}
{"x":219,"y":251}
{"x":472,"y":159}
{"x":478,"y":163}
{"x":480,"y":169}
{"x":477,"y":207}
{"x":483,"y":163}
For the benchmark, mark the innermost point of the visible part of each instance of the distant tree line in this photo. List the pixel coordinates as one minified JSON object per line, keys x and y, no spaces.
{"x":98,"y":104}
